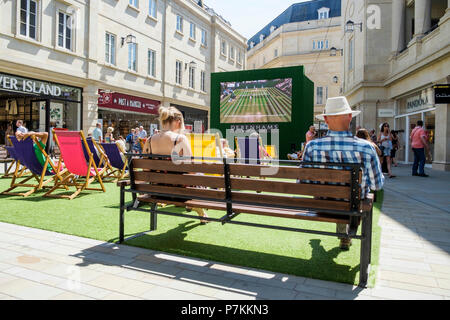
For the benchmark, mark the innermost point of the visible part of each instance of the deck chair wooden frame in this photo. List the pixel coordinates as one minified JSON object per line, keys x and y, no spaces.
{"x":115,"y":172}
{"x":9,"y":172}
{"x":80,"y":182}
{"x":105,"y":167}
{"x":40,"y":177}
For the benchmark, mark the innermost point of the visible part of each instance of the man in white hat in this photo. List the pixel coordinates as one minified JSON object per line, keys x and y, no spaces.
{"x":339,"y":145}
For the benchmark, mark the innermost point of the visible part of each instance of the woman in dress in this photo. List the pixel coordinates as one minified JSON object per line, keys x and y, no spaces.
{"x":385,"y":141}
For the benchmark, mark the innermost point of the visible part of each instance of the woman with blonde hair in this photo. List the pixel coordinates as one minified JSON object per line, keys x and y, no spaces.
{"x":170,"y":140}
{"x":109,"y":135}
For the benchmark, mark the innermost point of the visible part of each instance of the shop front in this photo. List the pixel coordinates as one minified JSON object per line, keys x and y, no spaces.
{"x":124,"y":112}
{"x":410,"y":109}
{"x":195,"y":120}
{"x":42,"y":105}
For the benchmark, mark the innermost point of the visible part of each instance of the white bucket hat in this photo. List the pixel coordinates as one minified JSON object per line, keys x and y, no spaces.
{"x":337,"y":106}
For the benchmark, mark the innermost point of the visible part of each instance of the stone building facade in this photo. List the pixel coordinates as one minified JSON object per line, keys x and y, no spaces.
{"x":132,"y":54}
{"x":395,"y":55}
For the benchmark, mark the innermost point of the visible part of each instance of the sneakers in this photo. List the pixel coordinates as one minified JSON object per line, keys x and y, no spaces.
{"x":345,"y":244}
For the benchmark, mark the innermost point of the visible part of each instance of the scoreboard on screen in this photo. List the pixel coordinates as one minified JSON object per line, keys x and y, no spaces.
{"x":264,"y":99}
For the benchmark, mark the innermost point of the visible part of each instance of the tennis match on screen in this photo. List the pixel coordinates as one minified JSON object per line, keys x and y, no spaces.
{"x":256,"y":101}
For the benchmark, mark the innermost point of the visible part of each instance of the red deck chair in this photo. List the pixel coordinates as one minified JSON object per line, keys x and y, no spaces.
{"x":71,"y":148}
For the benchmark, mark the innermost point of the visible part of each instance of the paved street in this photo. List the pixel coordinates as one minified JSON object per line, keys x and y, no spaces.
{"x":414,"y":261}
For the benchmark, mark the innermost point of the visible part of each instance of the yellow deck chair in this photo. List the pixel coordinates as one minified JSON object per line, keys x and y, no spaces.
{"x":205,"y":145}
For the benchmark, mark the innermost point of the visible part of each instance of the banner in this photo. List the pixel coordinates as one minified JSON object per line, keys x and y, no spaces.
{"x":114,"y":100}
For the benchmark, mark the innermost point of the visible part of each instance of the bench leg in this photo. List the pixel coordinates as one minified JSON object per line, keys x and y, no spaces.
{"x":153,"y":217}
{"x":365,"y":251}
{"x":369,"y":244}
{"x":121,"y":216}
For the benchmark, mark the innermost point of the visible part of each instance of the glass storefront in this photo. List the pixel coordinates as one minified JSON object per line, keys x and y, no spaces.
{"x":123,"y":122}
{"x":41,"y":105}
{"x":410,"y":110}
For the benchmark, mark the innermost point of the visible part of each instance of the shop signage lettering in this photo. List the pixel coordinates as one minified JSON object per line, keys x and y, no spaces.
{"x":29,"y":86}
{"x":416,"y":103}
{"x":254,"y":127}
{"x":114,"y":100}
{"x":442,"y":93}
{"x":385,"y":113}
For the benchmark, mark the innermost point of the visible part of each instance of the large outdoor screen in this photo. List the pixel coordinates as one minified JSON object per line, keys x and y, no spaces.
{"x":256,"y":101}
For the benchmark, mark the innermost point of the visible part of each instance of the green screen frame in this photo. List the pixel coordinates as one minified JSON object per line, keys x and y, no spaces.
{"x":302,"y":105}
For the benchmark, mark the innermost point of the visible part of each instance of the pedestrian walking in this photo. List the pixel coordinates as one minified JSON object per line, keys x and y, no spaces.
{"x":419,"y":144}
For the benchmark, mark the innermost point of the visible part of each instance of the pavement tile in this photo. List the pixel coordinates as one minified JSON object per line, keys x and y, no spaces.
{"x":401,"y":294}
{"x":29,"y":290}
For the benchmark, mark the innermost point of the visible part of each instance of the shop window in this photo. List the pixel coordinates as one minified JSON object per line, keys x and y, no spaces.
{"x":29,"y":18}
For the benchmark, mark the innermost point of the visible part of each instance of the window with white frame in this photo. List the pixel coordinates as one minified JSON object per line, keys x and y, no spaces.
{"x":319,"y":95}
{"x":132,"y":56}
{"x":223,"y":47}
{"x":351,"y":55}
{"x":239,"y":56}
{"x":178,"y":71}
{"x":179,"y":23}
{"x":134,"y":3}
{"x":192,"y":31}
{"x":29,"y":18}
{"x":64,"y":30}
{"x":232,"y":53}
{"x":110,"y":48}
{"x":204,"y":38}
{"x":275,"y":53}
{"x":323,"y":13}
{"x":151,"y":63}
{"x":203,"y":81}
{"x":152,"y":8}
{"x":192,"y":77}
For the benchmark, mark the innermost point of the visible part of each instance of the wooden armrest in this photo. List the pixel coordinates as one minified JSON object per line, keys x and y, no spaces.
{"x":367,"y":203}
{"x":123,"y":183}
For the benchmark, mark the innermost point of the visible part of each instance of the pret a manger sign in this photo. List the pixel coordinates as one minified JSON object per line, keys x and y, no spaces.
{"x":18,"y":84}
{"x":115,"y":100}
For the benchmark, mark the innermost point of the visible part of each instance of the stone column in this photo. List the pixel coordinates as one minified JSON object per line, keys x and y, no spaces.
{"x":441,"y":159}
{"x":398,"y":25}
{"x":90,"y":108}
{"x":422,"y":16}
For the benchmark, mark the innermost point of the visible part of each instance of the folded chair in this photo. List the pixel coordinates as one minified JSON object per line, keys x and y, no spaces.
{"x":82,"y":172}
{"x":112,"y":151}
{"x":27,"y":155}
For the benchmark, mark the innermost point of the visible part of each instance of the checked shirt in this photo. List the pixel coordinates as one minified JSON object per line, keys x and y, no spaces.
{"x":343,"y":147}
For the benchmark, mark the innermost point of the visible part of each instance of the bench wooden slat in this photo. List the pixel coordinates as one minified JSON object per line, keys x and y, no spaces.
{"x":273,"y":212}
{"x":188,"y":191}
{"x":149,"y":164}
{"x":285,"y":172}
{"x":180,"y":179}
{"x":316,"y":204}
{"x":317,"y":190}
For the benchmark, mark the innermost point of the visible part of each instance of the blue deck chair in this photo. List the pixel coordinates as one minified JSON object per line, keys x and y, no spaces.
{"x":112,"y":151}
{"x":248,"y":149}
{"x":25,"y":152}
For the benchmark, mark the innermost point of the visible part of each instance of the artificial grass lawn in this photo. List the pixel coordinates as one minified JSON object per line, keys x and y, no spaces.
{"x":95,"y":215}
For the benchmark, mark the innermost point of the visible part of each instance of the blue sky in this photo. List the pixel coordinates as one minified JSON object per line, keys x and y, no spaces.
{"x":249,"y":16}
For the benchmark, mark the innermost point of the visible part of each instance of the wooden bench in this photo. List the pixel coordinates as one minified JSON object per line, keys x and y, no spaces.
{"x":223,"y":186}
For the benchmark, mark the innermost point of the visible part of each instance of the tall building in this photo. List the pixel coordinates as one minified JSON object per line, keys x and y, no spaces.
{"x":72,"y":63}
{"x":309,"y":34}
{"x":396,"y":53}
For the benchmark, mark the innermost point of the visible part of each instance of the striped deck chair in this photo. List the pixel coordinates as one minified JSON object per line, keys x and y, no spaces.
{"x":272,"y":151}
{"x":112,"y":151}
{"x":26,"y":154}
{"x":82,"y":172}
